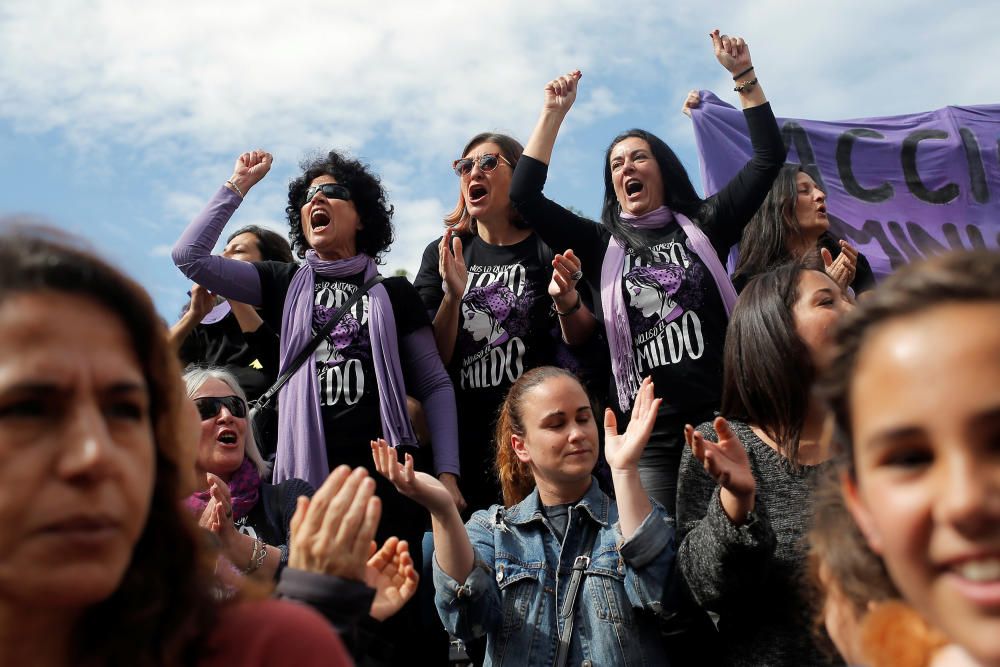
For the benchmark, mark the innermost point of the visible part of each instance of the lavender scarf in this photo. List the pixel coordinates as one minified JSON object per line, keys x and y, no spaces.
{"x":301,"y":441}
{"x":616,"y":322}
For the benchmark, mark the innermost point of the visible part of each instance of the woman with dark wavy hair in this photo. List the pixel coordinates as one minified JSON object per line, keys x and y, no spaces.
{"x":499,"y":297}
{"x":356,"y":384}
{"x":652,"y":216}
{"x":99,"y":562}
{"x":792,"y":221}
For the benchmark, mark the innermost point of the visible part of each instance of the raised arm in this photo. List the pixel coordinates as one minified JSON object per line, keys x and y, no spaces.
{"x":737,"y":202}
{"x":557,"y":226}
{"x":192,"y":253}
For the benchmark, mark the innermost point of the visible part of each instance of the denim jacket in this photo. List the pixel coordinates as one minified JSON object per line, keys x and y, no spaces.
{"x":522,"y":574}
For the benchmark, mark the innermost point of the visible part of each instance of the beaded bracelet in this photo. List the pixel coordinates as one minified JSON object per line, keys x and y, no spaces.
{"x":235,"y":187}
{"x":745,"y":85}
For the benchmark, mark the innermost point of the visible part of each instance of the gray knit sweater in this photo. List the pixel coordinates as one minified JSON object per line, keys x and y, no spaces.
{"x":752,"y":576}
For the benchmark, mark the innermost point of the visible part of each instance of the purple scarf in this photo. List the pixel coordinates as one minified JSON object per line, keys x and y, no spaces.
{"x":616,"y":322}
{"x":244,"y":489}
{"x":301,"y":441}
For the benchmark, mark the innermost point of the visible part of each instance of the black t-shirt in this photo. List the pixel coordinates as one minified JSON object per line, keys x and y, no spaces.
{"x":249,"y":358}
{"x":677,"y":321}
{"x":506,"y":324}
{"x":677,"y":317}
{"x":345,"y":371}
{"x":506,"y":327}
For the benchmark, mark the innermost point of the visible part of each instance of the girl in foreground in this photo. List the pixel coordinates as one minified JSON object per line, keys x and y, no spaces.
{"x":916,"y":390}
{"x":560,"y":553}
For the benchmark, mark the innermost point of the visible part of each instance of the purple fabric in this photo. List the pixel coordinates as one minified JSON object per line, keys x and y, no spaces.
{"x":898,"y":188}
{"x":192,"y":253}
{"x":429,"y":383}
{"x":244,"y":490}
{"x":240,"y":281}
{"x":301,"y":441}
{"x":217,"y":314}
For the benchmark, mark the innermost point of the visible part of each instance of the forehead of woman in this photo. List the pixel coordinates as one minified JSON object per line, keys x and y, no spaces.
{"x":556,"y":394}
{"x":55,"y":334}
{"x":212,"y":386}
{"x":937,"y":370}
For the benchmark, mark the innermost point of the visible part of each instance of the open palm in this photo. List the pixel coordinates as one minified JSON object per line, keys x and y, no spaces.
{"x":390,"y":572}
{"x":623,"y":451}
{"x":726,"y":460}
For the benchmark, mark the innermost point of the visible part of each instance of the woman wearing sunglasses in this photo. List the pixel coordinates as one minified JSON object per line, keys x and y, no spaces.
{"x":251,"y":518}
{"x":652,"y":217}
{"x":498,"y":296}
{"x":381,"y":350}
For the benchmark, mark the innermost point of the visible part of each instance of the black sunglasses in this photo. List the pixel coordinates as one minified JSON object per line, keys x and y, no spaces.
{"x":487,"y":162}
{"x":211,"y":406}
{"x":329,"y":190}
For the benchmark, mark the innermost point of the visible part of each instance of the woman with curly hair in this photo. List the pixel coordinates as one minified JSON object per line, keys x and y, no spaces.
{"x":499,"y":297}
{"x":99,"y":562}
{"x":382,"y":350}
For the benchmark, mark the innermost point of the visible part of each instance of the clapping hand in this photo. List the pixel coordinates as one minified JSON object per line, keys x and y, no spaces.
{"x":566,"y":273}
{"x":332,"y":532}
{"x":732,"y":52}
{"x":218,"y":514}
{"x":202,"y":302}
{"x":623,"y":451}
{"x":451,"y":265}
{"x":728,"y":464}
{"x":560,"y":93}
{"x":842,"y":269}
{"x":250,"y":168}
{"x":390,"y":572}
{"x":417,"y":486}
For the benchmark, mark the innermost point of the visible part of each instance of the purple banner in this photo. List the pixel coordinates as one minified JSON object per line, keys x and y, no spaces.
{"x":898,"y":188}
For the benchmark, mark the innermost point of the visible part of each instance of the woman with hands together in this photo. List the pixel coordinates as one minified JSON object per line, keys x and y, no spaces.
{"x":494,"y":576}
{"x":792,"y":221}
{"x":745,"y":488}
{"x":484,"y":283}
{"x":658,"y":248}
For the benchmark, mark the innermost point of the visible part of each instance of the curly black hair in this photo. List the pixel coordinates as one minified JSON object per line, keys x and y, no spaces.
{"x":368,"y":196}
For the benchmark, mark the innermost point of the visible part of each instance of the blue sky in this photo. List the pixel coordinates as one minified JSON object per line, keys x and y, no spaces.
{"x":118,"y":119}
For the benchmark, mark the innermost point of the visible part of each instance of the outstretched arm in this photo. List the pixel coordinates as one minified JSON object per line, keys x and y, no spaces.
{"x":452,"y":547}
{"x":559,"y":97}
{"x":623,"y":452}
{"x":192,"y":253}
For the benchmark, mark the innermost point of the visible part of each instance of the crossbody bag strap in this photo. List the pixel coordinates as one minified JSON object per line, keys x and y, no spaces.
{"x":307,"y":351}
{"x":567,"y":613}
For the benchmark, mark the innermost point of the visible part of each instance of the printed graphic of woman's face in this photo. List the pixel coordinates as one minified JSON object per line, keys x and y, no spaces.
{"x":925,"y":403}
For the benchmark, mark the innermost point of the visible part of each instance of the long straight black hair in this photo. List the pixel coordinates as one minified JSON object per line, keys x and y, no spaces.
{"x":678,"y":192}
{"x":768,"y":372}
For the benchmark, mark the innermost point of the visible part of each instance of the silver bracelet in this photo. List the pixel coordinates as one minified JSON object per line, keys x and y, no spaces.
{"x":235,"y":187}
{"x":255,"y":558}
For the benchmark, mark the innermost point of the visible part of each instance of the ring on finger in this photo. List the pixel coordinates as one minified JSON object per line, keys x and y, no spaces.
{"x":576,"y":275}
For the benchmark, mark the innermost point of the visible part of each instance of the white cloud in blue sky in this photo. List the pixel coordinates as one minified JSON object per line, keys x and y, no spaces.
{"x":118,"y":119}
